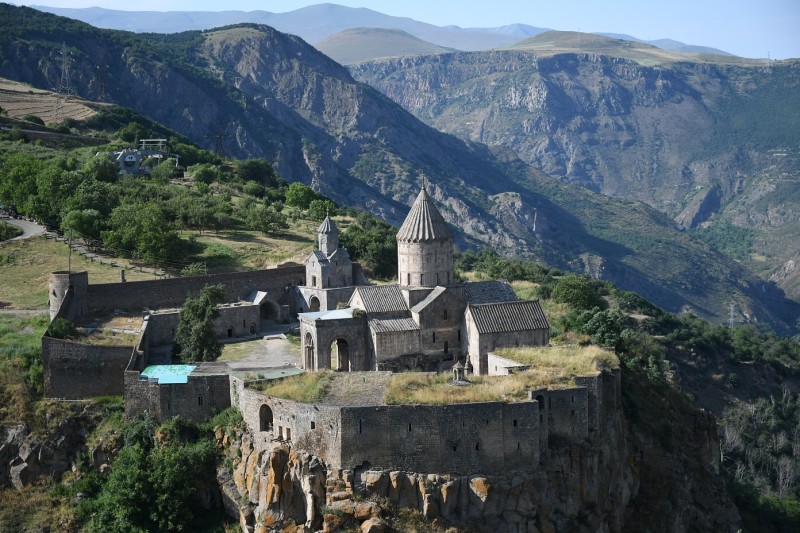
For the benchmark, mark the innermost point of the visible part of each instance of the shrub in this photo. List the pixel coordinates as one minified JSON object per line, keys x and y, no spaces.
{"x":61,"y":328}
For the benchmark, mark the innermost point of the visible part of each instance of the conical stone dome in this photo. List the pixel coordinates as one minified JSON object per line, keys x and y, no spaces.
{"x":328,"y":236}
{"x":424,"y":222}
{"x":328,"y":226}
{"x":424,"y":246}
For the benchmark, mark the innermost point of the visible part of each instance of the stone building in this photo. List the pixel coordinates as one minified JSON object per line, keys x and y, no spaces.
{"x":426,"y":321}
{"x":330,"y":273}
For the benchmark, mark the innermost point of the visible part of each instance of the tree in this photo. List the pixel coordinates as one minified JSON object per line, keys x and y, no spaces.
{"x":195,"y":338}
{"x":319,"y":209}
{"x":133,"y":132}
{"x":578,"y":291}
{"x":265,"y":219}
{"x":142,"y":228}
{"x":84,"y":222}
{"x":204,"y":173}
{"x":257,"y":170}
{"x":101,"y":168}
{"x":164,"y":171}
{"x":299,"y":195}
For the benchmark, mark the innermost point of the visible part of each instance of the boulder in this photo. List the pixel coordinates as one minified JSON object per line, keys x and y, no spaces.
{"x":374,"y":525}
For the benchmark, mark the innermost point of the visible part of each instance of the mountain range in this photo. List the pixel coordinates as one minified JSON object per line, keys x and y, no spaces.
{"x":318,"y":22}
{"x":262,"y":93}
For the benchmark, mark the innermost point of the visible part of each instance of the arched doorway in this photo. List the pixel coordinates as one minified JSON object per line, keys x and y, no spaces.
{"x":268,"y":310}
{"x":309,"y":355}
{"x":265,"y":418}
{"x":340,"y":355}
{"x":313,"y":304}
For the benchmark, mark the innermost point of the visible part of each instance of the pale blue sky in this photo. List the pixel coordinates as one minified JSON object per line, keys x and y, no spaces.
{"x":750,"y":28}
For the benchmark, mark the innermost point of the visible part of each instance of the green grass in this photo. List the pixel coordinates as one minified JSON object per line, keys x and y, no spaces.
{"x":234,"y":351}
{"x":25,"y":268}
{"x":20,"y":365}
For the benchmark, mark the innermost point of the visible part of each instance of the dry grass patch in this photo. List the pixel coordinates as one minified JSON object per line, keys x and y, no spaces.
{"x":525,"y":290}
{"x":437,"y":389}
{"x":550,"y":367}
{"x":568,"y":360}
{"x":106,"y":337}
{"x":307,"y":388}
{"x":254,"y":250}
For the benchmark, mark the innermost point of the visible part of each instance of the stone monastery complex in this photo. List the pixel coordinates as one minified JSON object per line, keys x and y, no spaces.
{"x":425,"y":322}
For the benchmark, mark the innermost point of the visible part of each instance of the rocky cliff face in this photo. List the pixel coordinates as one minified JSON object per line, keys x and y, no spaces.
{"x":28,"y":457}
{"x":262,"y":93}
{"x":688,"y":139}
{"x":624,"y":479}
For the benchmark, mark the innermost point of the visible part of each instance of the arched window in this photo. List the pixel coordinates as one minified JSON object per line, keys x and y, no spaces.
{"x":265,"y":418}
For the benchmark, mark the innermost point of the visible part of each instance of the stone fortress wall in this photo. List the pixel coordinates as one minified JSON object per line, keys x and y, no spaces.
{"x":489,"y":437}
{"x":75,"y":370}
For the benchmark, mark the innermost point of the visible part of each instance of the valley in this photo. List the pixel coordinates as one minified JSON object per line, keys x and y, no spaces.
{"x":647,"y":203}
{"x":258,"y":93}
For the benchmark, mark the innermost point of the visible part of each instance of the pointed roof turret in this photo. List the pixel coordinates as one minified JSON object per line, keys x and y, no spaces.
{"x":328,"y":226}
{"x":328,"y":236}
{"x":424,"y":222}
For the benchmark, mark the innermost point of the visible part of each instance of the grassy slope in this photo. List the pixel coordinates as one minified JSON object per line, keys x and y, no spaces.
{"x":557,"y":42}
{"x":25,"y":267}
{"x":364,"y":44}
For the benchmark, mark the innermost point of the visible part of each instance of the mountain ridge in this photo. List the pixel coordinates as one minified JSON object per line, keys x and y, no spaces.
{"x":280,"y":99}
{"x":313,"y":23}
{"x":710,"y":145}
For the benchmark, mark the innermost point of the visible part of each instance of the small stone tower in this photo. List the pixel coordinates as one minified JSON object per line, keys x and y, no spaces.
{"x":424,"y":246}
{"x":328,"y":235}
{"x":60,"y":283}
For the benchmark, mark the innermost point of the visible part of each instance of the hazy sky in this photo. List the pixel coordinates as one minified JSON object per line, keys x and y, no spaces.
{"x":750,"y":28}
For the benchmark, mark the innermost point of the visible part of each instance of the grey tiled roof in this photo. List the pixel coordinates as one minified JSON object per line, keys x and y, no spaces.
{"x":424,"y":222}
{"x":341,"y":254}
{"x":522,"y":315}
{"x":484,"y":292}
{"x":319,"y":256}
{"x":435,"y":293}
{"x":392,"y":324}
{"x":381,"y":298}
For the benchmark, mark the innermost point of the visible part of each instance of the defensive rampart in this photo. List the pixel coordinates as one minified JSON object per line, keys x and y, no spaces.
{"x":489,"y":437}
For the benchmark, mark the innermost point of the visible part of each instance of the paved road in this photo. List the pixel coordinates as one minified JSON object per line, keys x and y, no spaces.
{"x":24,"y":312}
{"x":29,"y":229}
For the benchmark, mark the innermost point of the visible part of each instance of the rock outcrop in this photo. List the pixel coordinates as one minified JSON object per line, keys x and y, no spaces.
{"x":611,"y":482}
{"x":27,"y":456}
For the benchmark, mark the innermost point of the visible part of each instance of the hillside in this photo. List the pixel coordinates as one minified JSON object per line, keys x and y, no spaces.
{"x":364,"y":44}
{"x":558,"y":42}
{"x":706,"y":144}
{"x":317,"y":22}
{"x":258,"y":93}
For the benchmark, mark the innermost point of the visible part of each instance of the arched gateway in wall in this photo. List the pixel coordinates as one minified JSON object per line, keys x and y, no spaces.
{"x":309,"y":354}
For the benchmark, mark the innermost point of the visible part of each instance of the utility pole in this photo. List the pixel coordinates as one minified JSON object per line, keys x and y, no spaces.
{"x":730,"y":317}
{"x":64,"y":87}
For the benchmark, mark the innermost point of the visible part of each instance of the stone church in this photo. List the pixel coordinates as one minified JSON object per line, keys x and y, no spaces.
{"x":426,"y":321}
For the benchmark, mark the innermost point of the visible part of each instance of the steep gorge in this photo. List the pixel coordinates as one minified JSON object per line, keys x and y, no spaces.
{"x":693,"y":140}
{"x":256,"y":92}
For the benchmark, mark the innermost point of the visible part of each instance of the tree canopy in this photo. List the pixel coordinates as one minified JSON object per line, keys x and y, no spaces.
{"x":195,"y":338}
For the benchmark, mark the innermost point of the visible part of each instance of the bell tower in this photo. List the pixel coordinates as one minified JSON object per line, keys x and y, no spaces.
{"x":328,"y":236}
{"x":424,"y":246}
